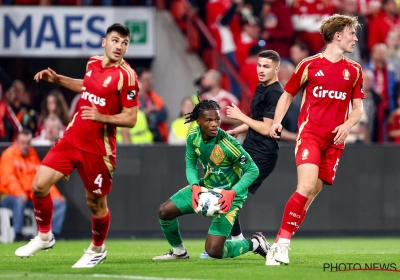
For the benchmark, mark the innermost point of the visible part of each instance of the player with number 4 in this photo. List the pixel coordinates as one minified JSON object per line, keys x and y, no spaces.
{"x":108,"y":99}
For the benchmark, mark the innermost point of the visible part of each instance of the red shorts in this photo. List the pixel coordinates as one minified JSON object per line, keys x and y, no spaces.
{"x":326,"y":157}
{"x":95,"y":170}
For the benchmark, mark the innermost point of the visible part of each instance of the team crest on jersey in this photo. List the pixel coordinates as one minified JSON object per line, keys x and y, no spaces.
{"x":305,"y":154}
{"x":217,"y":155}
{"x":107,"y":81}
{"x":346,"y":74}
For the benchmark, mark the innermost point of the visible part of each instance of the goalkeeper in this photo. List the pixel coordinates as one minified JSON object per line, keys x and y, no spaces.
{"x":227,"y":167}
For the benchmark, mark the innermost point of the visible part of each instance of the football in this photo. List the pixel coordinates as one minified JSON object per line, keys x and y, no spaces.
{"x":208,"y":204}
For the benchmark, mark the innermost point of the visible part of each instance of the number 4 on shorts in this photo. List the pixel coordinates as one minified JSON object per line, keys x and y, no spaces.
{"x":99,"y":180}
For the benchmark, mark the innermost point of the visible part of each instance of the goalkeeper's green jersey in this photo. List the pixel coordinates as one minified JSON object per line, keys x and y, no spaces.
{"x":226,"y":164}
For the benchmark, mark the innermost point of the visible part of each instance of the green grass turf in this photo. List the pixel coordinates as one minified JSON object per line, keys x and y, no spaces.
{"x":131,"y":259}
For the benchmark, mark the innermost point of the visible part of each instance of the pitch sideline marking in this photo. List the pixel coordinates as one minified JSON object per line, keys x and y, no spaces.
{"x":135,"y":277}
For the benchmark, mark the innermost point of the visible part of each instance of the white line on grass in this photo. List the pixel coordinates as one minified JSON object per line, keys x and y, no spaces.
{"x":135,"y":277}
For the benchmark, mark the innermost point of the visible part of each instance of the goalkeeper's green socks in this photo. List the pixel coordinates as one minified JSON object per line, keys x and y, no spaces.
{"x":171,"y":231}
{"x":235,"y":248}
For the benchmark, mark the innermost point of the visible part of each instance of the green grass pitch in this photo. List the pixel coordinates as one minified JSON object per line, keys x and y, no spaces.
{"x":131,"y":259}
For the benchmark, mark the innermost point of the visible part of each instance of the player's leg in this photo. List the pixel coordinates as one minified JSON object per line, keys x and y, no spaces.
{"x":179,"y":204}
{"x":266,"y":164}
{"x":96,"y":173}
{"x":218,"y":247}
{"x":43,"y":209}
{"x":308,"y":155}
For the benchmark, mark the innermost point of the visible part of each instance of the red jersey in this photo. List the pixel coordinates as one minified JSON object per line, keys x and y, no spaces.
{"x":110,"y":89}
{"x":394,"y":124}
{"x":328,"y":89}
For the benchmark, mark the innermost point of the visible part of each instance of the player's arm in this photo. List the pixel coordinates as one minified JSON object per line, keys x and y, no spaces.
{"x":343,"y":130}
{"x":238,"y":130}
{"x":127,"y":118}
{"x":192,"y":174}
{"x":242,"y":159}
{"x":281,"y":108}
{"x":51,"y":76}
{"x":262,"y":127}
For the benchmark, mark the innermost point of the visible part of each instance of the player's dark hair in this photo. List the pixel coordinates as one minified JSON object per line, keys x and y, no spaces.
{"x":203,"y":105}
{"x":337,"y":23}
{"x":120,"y":29}
{"x":270,"y":54}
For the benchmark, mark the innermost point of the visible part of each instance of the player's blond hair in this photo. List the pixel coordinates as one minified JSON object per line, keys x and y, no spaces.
{"x":337,"y":23}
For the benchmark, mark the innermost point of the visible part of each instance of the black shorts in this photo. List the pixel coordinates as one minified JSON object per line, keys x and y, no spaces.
{"x":266,"y":164}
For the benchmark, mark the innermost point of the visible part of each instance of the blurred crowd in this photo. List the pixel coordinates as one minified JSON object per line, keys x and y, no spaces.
{"x":241,"y":29}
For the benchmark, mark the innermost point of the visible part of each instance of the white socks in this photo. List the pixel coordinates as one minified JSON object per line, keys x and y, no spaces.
{"x":239,"y":237}
{"x":45,"y":236}
{"x":96,"y":249}
{"x":283,"y":240}
{"x":179,"y":250}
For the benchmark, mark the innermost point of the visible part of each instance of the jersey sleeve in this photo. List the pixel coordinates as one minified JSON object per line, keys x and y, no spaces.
{"x":272,"y":101}
{"x":298,"y":79}
{"x":130,"y":87}
{"x":358,"y":90}
{"x":192,"y":174}
{"x":242,"y":159}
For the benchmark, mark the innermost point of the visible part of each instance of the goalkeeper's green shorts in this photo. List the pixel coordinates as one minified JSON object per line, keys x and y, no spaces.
{"x":221,"y":225}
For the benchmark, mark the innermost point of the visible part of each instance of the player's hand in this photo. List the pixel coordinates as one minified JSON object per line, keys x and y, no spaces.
{"x":91,"y":113}
{"x":196,"y":191}
{"x":234,"y":112}
{"x":342,"y":131}
{"x":47,"y":75}
{"x":226,"y":200}
{"x":233,"y":132}
{"x":276,"y":130}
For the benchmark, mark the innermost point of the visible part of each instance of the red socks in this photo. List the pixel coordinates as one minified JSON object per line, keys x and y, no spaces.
{"x":100,"y":228}
{"x":293,"y":215}
{"x":43,"y":208}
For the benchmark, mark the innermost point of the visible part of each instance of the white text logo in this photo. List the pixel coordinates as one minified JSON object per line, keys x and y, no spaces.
{"x":333,"y":94}
{"x":93,"y":98}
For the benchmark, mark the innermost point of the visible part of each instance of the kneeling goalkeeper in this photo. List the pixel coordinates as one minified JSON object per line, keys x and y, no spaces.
{"x":227,"y":166}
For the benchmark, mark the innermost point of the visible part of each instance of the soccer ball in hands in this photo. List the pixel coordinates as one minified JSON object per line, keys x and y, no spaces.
{"x":208,"y":204}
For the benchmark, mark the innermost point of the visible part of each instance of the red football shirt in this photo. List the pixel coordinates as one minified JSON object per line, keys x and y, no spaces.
{"x":327,"y":90}
{"x":110,"y":89}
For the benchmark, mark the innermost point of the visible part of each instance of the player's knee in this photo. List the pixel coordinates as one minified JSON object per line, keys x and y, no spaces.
{"x":163,"y":212}
{"x":214,"y":252}
{"x":40,"y":189}
{"x":92,"y":206}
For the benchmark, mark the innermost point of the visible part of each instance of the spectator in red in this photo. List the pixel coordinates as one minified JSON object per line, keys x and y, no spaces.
{"x":278,"y":31}
{"x":394,"y":124}
{"x":9,"y":124}
{"x":224,"y":23}
{"x":248,"y":38}
{"x":152,"y":105}
{"x":380,"y":25}
{"x":307,"y":17}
